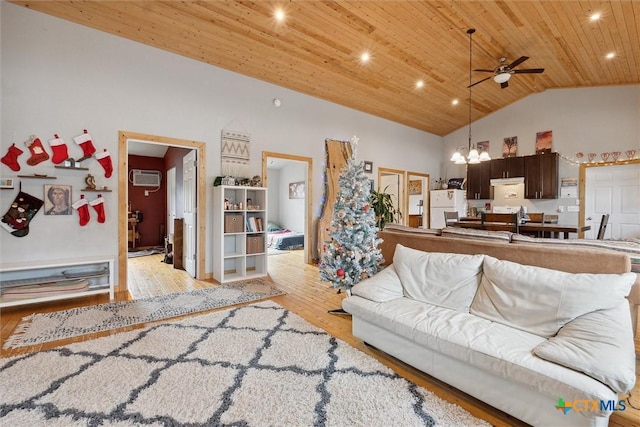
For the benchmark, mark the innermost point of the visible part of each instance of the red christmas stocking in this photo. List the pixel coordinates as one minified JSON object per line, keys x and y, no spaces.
{"x":85,"y":142}
{"x":11,"y":158}
{"x":82,"y":206}
{"x":38,"y":155}
{"x":105,"y":160}
{"x":59,"y":147}
{"x":98,"y":205}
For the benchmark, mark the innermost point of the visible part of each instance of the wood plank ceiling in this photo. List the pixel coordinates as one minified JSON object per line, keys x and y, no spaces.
{"x":316,"y":50}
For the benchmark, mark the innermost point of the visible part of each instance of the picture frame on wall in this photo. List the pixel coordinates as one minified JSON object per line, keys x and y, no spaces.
{"x":57,"y":200}
{"x":544,"y":141}
{"x":6,"y":182}
{"x":296,"y":190}
{"x":368,"y":166}
{"x":510,"y":146}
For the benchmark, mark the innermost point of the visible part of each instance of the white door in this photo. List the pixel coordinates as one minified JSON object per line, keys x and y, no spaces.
{"x":614,"y":190}
{"x":171,"y":199}
{"x":190,"y":195}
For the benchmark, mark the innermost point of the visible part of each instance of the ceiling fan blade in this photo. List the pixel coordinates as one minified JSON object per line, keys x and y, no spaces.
{"x":517,"y":62}
{"x":479,"y":81}
{"x":484,"y":70}
{"x":528,"y":71}
{"x":503,"y":85}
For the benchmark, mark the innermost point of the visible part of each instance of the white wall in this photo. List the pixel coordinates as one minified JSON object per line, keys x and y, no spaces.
{"x":583,"y":120}
{"x":60,"y":77}
{"x":292,"y":211}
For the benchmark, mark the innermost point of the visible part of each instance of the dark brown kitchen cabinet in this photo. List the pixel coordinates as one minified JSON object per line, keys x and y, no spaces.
{"x":479,"y":181}
{"x":508,"y":167}
{"x":541,"y":176}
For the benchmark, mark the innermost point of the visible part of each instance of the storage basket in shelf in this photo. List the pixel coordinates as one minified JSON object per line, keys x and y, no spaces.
{"x":233,"y":223}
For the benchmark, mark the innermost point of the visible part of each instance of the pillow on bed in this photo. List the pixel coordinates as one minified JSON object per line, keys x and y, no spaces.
{"x":272,"y":226}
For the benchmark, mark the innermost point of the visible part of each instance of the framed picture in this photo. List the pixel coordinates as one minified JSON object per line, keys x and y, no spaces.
{"x":510,"y":146}
{"x":456,"y":183}
{"x":57,"y":200}
{"x":6,"y":182}
{"x":544,"y":141}
{"x":296,"y":190}
{"x":415,"y":187}
{"x":368,"y":166}
{"x":482,"y":146}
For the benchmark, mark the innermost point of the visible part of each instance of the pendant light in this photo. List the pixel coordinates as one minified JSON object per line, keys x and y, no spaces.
{"x":473,"y":156}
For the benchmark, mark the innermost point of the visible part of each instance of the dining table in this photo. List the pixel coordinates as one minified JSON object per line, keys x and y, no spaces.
{"x":533,"y":228}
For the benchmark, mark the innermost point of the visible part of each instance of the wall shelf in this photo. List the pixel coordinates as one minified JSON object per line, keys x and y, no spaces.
{"x":70,"y":167}
{"x":96,"y":190}
{"x":37,"y":176}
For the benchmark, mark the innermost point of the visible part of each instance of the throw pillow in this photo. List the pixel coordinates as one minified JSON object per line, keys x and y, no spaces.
{"x":381,"y":287}
{"x":600,"y":344}
{"x":540,"y":300}
{"x":442,"y":279}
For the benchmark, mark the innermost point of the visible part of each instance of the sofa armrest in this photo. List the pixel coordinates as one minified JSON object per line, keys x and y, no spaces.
{"x":382,"y":287}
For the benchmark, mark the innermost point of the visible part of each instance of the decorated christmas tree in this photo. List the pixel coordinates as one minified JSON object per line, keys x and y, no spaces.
{"x":352,"y":252}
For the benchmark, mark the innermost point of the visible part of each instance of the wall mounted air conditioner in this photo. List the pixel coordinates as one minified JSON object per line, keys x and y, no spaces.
{"x":146,"y":178}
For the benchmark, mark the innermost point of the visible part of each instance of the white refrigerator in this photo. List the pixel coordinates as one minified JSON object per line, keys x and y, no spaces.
{"x":442,"y":201}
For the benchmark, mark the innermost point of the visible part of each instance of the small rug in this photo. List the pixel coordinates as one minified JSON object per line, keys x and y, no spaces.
{"x":39,"y":328}
{"x":273,"y":251}
{"x":144,"y":252}
{"x":255,"y":365}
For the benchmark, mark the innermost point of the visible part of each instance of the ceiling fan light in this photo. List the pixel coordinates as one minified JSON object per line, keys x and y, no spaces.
{"x":484,"y":156}
{"x":502,"y":78}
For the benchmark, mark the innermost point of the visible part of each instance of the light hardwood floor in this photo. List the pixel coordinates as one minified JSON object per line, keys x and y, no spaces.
{"x":305,"y":295}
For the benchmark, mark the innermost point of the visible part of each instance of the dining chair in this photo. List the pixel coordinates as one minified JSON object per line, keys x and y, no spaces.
{"x":536,"y":218}
{"x":500,"y":221}
{"x":450,"y":217}
{"x":603,"y":226}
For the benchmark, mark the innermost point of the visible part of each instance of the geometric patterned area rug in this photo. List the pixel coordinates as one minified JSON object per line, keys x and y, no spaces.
{"x":39,"y":328}
{"x":254,"y":365}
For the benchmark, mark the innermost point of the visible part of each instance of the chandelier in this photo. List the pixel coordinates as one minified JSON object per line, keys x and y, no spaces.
{"x":473,"y":157}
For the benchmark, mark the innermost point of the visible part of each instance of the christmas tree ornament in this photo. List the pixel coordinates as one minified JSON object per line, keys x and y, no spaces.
{"x":82,"y":206}
{"x":38,"y":155}
{"x":104,"y":159}
{"x":340,"y":272}
{"x":98,"y":205}
{"x":17,"y":219}
{"x":86,"y":143}
{"x":11,"y":158}
{"x":59,"y":149}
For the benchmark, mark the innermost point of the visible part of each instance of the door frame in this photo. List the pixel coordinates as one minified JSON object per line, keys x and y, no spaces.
{"x":583,"y":183}
{"x":123,"y":189}
{"x":308,"y":195}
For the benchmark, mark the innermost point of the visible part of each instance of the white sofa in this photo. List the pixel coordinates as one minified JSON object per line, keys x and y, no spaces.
{"x":515,"y":336}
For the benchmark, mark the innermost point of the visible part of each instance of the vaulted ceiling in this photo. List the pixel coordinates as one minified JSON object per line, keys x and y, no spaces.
{"x":317,"y":48}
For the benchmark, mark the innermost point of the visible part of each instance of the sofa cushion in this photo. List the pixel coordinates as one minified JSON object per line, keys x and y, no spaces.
{"x":445,"y":280}
{"x":540,"y":300}
{"x":470,"y":233}
{"x":381,"y":287}
{"x":600,"y":344}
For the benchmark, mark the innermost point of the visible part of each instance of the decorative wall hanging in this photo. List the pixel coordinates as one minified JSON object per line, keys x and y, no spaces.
{"x":543,"y":142}
{"x":368,"y":166}
{"x":234,"y":153}
{"x":482,"y":146}
{"x":38,"y":154}
{"x":59,"y":149}
{"x":57,"y":200}
{"x":85,"y":142}
{"x":296,"y":190}
{"x":6,"y":182}
{"x":510,"y":146}
{"x":11,"y":158}
{"x":415,"y":187}
{"x":17,"y":219}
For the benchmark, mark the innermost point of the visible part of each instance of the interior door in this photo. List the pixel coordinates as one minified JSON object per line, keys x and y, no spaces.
{"x":391,"y":181}
{"x":189,"y":187}
{"x":418,"y":198}
{"x":614,"y":190}
{"x":171,"y":199}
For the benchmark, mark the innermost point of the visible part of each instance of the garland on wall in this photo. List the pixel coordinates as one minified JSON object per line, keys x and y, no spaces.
{"x":605,"y":157}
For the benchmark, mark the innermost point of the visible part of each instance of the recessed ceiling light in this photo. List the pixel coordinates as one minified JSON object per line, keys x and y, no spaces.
{"x":365,"y":57}
{"x":419,"y":84}
{"x":611,"y":55}
{"x":595,"y":16}
{"x":279,"y":15}
{"x":455,"y":102}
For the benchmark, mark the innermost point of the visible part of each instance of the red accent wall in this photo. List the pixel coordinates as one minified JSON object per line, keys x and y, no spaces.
{"x":153,"y":207}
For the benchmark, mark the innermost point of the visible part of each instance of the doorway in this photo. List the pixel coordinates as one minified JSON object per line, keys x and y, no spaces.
{"x":307,"y":162}
{"x":199,"y":223}
{"x":614,"y":189}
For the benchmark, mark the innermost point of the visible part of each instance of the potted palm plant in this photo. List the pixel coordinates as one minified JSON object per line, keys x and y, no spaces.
{"x":383,"y":207}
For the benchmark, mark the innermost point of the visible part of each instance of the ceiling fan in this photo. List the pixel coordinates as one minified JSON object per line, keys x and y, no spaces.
{"x":503,"y":72}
